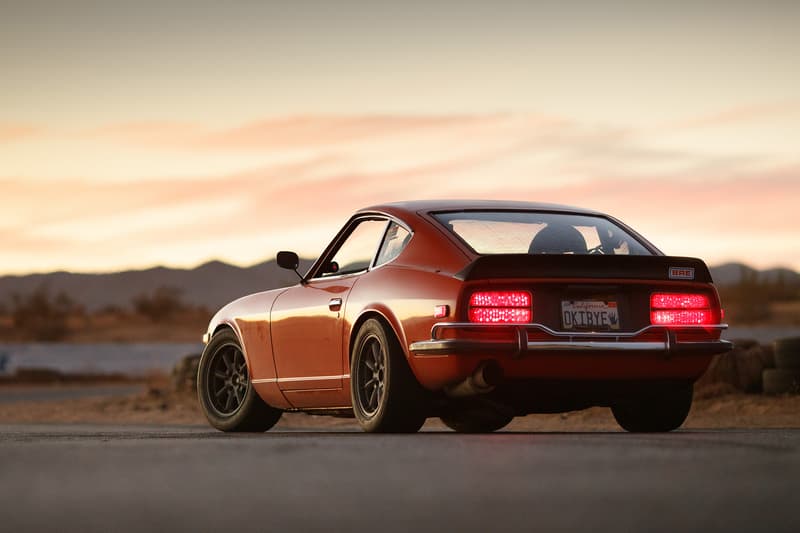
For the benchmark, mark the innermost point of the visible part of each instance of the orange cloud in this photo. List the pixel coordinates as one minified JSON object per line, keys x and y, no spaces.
{"x":751,"y":202}
{"x":208,"y":215}
{"x":15,"y":132}
{"x":324,"y":130}
{"x":750,"y":113}
{"x":338,"y":164}
{"x":150,"y":133}
{"x":312,"y":131}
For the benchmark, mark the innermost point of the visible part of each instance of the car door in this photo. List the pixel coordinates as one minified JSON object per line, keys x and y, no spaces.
{"x":307,"y":320}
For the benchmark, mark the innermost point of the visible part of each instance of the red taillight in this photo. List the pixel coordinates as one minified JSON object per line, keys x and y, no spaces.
{"x":681,"y":309}
{"x":500,"y":307}
{"x":679,"y":301}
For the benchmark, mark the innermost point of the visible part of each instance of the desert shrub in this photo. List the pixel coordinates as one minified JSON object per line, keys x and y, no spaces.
{"x":161,"y":304}
{"x":41,"y":316}
{"x":749,"y":301}
{"x":112,"y":309}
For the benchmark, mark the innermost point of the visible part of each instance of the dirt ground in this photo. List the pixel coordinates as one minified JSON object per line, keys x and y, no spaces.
{"x":719,"y":408}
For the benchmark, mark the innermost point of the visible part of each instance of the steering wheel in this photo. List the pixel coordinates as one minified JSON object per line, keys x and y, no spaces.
{"x":597,"y":250}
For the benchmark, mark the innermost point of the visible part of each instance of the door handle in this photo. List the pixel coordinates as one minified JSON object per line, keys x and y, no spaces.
{"x":335,"y":304}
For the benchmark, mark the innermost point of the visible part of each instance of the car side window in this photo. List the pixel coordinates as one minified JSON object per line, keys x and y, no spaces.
{"x":393,"y":243}
{"x":356,"y":252}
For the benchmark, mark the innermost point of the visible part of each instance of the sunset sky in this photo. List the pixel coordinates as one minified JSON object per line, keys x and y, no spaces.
{"x":135,"y":134}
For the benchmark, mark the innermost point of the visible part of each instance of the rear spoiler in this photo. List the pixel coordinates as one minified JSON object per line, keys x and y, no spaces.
{"x":649,"y":267}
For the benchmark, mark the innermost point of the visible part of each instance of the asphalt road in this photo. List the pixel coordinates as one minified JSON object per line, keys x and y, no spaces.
{"x":102,"y":478}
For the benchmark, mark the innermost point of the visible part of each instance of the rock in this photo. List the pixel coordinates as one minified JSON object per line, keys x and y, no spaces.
{"x":741,"y":368}
{"x":781,"y":381}
{"x":714,"y":390}
{"x":787,"y":354}
{"x":721,"y":370}
{"x":184,"y":374}
{"x":749,"y":366}
{"x":768,"y":355}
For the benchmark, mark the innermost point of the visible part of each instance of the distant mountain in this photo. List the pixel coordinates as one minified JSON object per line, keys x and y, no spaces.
{"x":211,"y":284}
{"x":732,"y":273}
{"x":216,"y":283}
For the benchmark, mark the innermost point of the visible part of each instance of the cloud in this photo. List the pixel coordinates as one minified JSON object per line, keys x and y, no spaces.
{"x":244,"y":217}
{"x":316,"y":131}
{"x":320,"y":131}
{"x":751,"y":203}
{"x":16,"y":132}
{"x":149,"y":133}
{"x":738,"y":115}
{"x":319,"y":170}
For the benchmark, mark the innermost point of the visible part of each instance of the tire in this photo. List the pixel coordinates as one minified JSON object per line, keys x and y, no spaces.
{"x":385,"y":394}
{"x":226,"y":395}
{"x":654,"y":414}
{"x":484,"y":420}
{"x":787,"y":354}
{"x":781,"y":381}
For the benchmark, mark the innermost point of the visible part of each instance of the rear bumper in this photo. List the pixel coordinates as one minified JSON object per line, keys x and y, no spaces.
{"x":549,"y":341}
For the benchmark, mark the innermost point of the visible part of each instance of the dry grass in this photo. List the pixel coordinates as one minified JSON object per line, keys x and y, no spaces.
{"x":785,"y":313}
{"x":721,"y":408}
{"x":122,"y":326}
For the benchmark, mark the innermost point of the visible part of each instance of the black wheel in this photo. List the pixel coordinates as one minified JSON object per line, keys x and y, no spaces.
{"x":226,"y":395}
{"x":483,"y":420}
{"x":385,"y":394}
{"x":655,"y":413}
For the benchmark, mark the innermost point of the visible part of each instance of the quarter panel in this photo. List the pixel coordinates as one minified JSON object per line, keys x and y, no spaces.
{"x":406,"y":298}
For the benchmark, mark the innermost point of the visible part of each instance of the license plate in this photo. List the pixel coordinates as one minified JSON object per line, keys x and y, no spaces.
{"x":589,"y":314}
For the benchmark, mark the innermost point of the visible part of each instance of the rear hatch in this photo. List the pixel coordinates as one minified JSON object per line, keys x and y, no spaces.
{"x":586,"y":294}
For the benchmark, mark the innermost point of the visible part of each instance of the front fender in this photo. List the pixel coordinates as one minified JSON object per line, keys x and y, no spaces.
{"x":248,"y":317}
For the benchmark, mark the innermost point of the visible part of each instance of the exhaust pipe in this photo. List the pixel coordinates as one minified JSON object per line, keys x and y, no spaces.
{"x":483,"y":380}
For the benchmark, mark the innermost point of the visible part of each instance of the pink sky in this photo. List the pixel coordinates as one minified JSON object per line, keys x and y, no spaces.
{"x":142,"y":143}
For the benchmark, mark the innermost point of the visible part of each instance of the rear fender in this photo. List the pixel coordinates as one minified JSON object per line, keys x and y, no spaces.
{"x":385,"y":315}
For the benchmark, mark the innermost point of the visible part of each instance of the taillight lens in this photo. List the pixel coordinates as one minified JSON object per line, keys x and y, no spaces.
{"x":500,"y":307}
{"x":681,"y":309}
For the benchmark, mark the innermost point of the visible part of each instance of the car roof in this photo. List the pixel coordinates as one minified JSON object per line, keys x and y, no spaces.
{"x":416,"y":206}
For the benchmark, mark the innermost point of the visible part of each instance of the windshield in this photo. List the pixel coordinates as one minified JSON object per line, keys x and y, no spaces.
{"x":531,"y":232}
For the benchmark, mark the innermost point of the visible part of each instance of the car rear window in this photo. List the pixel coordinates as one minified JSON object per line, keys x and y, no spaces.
{"x":533,"y":232}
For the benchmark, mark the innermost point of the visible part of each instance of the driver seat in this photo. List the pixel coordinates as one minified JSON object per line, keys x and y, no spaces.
{"x":558,"y":239}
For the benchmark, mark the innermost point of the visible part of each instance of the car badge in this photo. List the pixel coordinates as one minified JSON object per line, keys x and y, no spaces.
{"x":681,"y":273}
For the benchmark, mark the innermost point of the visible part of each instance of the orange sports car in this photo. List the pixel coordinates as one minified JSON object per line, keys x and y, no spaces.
{"x":471,"y":311}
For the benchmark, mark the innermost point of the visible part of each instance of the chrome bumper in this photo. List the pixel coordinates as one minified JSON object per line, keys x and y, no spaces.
{"x":572,"y":342}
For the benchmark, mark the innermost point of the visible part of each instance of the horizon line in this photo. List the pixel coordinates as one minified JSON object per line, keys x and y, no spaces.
{"x":310,"y":259}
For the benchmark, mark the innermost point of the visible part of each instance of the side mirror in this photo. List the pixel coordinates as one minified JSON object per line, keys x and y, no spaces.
{"x":288,"y":260}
